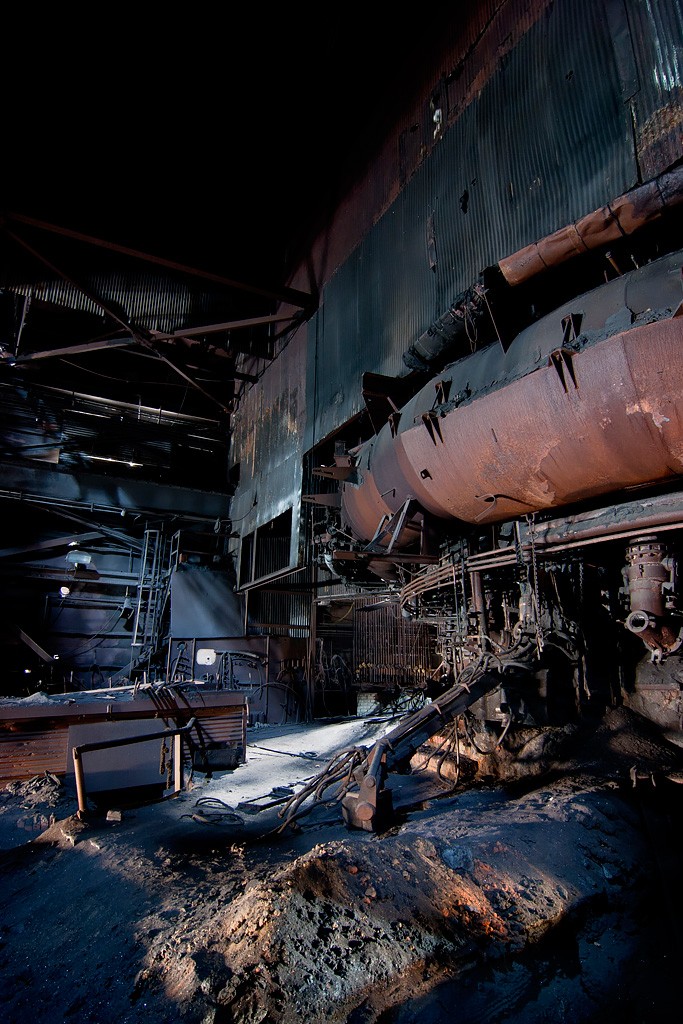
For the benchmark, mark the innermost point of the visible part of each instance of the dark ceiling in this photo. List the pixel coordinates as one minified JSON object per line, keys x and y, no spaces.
{"x":214,"y":146}
{"x":215,"y":151}
{"x":202,"y":142}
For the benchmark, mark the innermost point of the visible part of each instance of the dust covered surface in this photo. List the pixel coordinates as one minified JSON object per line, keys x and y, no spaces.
{"x":547,"y":899}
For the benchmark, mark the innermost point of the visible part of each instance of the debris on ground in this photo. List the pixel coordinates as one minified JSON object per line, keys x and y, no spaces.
{"x":542,"y":900}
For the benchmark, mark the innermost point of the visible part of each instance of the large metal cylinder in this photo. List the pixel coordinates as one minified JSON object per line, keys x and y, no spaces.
{"x":540,"y":426}
{"x":646,"y":576}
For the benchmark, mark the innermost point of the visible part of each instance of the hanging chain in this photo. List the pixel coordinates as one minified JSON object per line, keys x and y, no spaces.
{"x":534,"y":570}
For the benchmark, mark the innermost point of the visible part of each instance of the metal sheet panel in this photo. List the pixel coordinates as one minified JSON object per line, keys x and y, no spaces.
{"x":203,"y":603}
{"x":268,"y":444}
{"x":547,"y":140}
{"x":657,"y":39}
{"x":136,"y":764}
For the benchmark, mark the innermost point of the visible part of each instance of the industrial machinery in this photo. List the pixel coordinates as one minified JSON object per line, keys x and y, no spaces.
{"x":527,"y":503}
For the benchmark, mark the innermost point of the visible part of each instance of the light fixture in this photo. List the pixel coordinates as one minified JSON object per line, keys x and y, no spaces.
{"x":79,"y":557}
{"x":107,"y":458}
{"x":80,"y":565}
{"x":64,"y":591}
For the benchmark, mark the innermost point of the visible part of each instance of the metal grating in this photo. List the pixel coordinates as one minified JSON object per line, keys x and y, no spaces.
{"x":388,"y":650}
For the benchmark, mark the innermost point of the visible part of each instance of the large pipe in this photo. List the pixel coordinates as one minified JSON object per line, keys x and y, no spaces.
{"x":556,"y":419}
{"x":620,"y":218}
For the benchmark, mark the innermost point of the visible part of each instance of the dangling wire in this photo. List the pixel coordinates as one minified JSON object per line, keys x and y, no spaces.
{"x":534,"y":585}
{"x":449,"y":747}
{"x":339,"y":773}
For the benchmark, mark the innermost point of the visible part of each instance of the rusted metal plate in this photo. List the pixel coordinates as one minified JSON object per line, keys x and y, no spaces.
{"x":32,"y":750}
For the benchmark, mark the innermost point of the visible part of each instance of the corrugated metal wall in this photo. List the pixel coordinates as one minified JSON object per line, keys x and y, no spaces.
{"x":383,"y":295}
{"x":268,"y":445}
{"x":547,"y":140}
{"x":657,"y":37}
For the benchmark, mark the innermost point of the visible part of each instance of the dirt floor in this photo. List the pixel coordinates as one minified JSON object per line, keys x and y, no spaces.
{"x":537,"y":897}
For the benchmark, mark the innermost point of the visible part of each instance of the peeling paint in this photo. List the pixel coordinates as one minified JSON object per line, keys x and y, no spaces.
{"x":645,"y":408}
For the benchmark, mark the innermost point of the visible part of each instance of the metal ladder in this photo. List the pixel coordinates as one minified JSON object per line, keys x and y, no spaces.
{"x":151,"y":588}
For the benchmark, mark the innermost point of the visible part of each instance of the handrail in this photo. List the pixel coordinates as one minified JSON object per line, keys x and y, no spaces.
{"x":84,"y":748}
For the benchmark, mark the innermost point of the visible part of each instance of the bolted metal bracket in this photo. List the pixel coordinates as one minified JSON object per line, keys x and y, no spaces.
{"x":561,"y":359}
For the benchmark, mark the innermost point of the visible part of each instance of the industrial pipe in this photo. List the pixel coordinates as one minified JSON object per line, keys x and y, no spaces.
{"x":545,"y":424}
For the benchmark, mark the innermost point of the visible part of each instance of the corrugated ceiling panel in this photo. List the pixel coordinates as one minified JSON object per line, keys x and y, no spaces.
{"x":149,"y":300}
